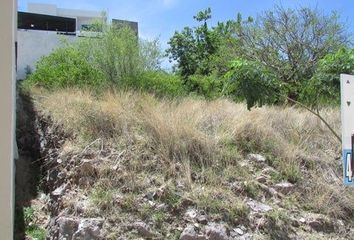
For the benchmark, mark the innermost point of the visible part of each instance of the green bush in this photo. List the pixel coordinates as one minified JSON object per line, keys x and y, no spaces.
{"x":160,"y":83}
{"x":65,"y":67}
{"x":115,"y":54}
{"x":210,"y":86}
{"x":115,"y":58}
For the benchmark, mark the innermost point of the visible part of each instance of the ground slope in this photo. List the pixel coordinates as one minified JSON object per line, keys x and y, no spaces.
{"x":127,"y":165}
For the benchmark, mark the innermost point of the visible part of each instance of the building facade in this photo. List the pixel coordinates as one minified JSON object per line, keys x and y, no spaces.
{"x":44,"y":27}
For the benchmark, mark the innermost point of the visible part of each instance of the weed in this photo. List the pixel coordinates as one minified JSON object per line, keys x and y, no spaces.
{"x":279,"y":226}
{"x":102,"y":198}
{"x":251,"y":188}
{"x":28,"y":215}
{"x":36,"y":232}
{"x":32,"y":229}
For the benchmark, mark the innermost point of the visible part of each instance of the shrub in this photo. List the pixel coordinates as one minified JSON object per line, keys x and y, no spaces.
{"x":65,"y":67}
{"x":210,"y":86}
{"x":160,"y":83}
{"x":116,"y":54}
{"x":115,"y":58}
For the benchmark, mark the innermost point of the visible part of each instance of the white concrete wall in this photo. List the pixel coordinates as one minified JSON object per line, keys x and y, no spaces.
{"x":33,"y":44}
{"x":52,"y":9}
{"x":8,"y":9}
{"x":64,"y":12}
{"x":40,"y":8}
{"x":81,"y":16}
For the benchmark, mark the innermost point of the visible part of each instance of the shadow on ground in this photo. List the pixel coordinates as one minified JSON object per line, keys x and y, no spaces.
{"x":28,"y":165}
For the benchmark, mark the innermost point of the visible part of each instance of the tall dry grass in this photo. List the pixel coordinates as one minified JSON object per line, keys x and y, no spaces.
{"x":189,"y":134}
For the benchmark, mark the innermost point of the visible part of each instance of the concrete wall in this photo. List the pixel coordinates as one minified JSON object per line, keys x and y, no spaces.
{"x":8,"y":9}
{"x":77,"y":13}
{"x":40,"y":8}
{"x":33,"y":44}
{"x":81,"y":16}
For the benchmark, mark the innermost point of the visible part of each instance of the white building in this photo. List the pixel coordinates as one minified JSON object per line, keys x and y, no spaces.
{"x":82,"y":17}
{"x":41,"y":29}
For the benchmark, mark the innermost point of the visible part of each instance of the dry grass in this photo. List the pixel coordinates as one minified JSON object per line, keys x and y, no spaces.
{"x":174,"y":140}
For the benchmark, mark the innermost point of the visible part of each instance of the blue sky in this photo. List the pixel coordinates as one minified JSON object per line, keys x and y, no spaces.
{"x":160,"y":18}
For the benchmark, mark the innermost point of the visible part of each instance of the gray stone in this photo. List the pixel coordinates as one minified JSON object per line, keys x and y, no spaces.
{"x":143,"y":229}
{"x":321,"y":225}
{"x":302,"y":220}
{"x":284,"y":187}
{"x":89,"y":228}
{"x":269,"y":171}
{"x":239,"y":231}
{"x":258,"y":207}
{"x":256,"y":157}
{"x":216,"y":231}
{"x":246,"y":236}
{"x":191,"y":214}
{"x":189,"y":233}
{"x":67,"y":227}
{"x":202,"y":219}
{"x":261,"y":179}
{"x":60,"y":190}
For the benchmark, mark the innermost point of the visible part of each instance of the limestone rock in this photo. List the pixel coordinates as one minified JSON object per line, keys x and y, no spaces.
{"x":261,"y":179}
{"x":256,"y":157}
{"x":60,"y":190}
{"x":239,"y":231}
{"x":321,"y":225}
{"x":191,"y":214}
{"x":89,"y":228}
{"x":189,"y":233}
{"x":143,"y":229}
{"x":202,"y":219}
{"x":67,"y":227}
{"x":216,"y":231}
{"x":258,"y":206}
{"x":284,"y":187}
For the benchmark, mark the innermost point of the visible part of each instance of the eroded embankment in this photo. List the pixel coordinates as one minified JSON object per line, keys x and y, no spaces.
{"x":126,"y":166}
{"x":39,"y":143}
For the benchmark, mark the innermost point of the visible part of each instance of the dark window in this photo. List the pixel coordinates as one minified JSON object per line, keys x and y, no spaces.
{"x":46,"y":22}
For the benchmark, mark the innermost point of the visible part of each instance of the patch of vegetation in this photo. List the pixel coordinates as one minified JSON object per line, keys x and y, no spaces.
{"x":102,"y":198}
{"x":33,"y":230}
{"x":220,"y":203}
{"x":36,"y":232}
{"x":279,"y":224}
{"x":251,"y":188}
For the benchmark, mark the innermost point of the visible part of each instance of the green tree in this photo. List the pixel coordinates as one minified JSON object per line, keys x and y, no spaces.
{"x":192,"y":48}
{"x":324,"y":87}
{"x":254,"y":83}
{"x":258,"y":85}
{"x":291,"y":42}
{"x":150,"y":54}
